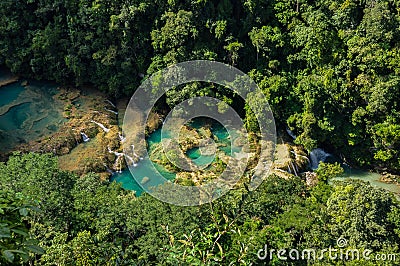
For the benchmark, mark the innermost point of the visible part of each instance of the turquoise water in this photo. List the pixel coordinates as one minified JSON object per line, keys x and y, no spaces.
{"x":27,"y":113}
{"x":14,"y":118}
{"x":10,"y":93}
{"x":198,"y":158}
{"x":127,"y":181}
{"x":225,"y":140}
{"x":359,"y":174}
{"x":370,"y":177}
{"x":143,"y":169}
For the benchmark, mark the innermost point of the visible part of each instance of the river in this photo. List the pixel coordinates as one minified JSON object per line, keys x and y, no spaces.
{"x":371,"y":177}
{"x":142,"y":169}
{"x":28,"y":112}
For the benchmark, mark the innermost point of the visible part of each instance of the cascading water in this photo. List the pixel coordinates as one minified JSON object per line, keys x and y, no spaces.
{"x":290,"y":133}
{"x":134,"y":153}
{"x":114,"y":112}
{"x":122,"y":138}
{"x":294,"y":168}
{"x":85,"y":138}
{"x":101,"y":125}
{"x":316,"y":156}
{"x":111,"y":103}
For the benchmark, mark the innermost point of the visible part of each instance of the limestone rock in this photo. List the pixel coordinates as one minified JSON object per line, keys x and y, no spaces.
{"x":390,"y":178}
{"x":145,"y":180}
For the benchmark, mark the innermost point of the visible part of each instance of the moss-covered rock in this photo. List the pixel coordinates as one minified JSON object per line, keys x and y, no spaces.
{"x":144,"y":180}
{"x":311,"y":178}
{"x":189,"y":138}
{"x":289,"y":159}
{"x":154,"y":121}
{"x":170,"y":157}
{"x":92,"y":156}
{"x":194,"y":178}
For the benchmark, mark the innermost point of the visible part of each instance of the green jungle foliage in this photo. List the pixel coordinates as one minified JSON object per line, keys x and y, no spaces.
{"x":329,"y":68}
{"x":65,"y":220}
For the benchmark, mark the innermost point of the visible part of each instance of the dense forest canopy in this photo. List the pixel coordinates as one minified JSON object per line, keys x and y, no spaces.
{"x":65,"y":220}
{"x":329,"y":68}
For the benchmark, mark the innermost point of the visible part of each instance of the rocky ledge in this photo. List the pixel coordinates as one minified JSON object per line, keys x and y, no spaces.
{"x":91,"y":121}
{"x":9,"y":80}
{"x":290,"y":160}
{"x":390,"y":178}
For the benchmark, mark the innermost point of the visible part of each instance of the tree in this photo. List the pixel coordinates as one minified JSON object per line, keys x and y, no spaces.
{"x":233,"y":48}
{"x":16,"y":243}
{"x":361,"y":215}
{"x":38,"y":178}
{"x":325,"y":171}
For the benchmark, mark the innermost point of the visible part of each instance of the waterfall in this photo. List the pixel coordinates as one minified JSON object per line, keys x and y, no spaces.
{"x":117,"y":161}
{"x":280,"y":170}
{"x":294,"y":169}
{"x":316,"y":156}
{"x":121,"y":137}
{"x":308,"y":159}
{"x":118,"y":164}
{"x":299,"y":155}
{"x":119,"y":154}
{"x":116,"y":153}
{"x":85,"y":137}
{"x":134,"y":153}
{"x":101,"y":125}
{"x":113,"y":105}
{"x":114,"y":112}
{"x":290,"y":133}
{"x":108,"y":169}
{"x":131,"y":159}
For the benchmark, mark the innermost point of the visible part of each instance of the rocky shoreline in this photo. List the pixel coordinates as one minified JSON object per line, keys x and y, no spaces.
{"x":390,"y":178}
{"x":290,"y":160}
{"x":91,"y":140}
{"x":9,"y":80}
{"x":84,"y":110}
